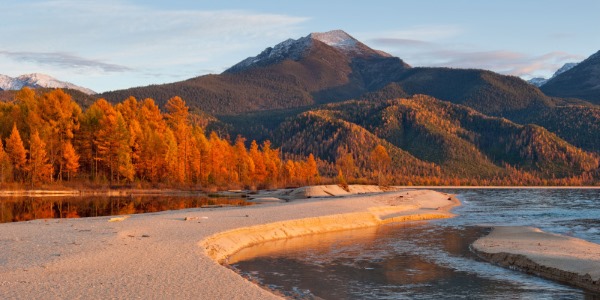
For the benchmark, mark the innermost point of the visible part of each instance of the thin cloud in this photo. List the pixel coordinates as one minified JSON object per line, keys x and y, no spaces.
{"x":425,"y":32}
{"x":138,"y":37}
{"x":398,"y":42}
{"x":502,"y":61}
{"x":419,"y":52}
{"x":64,"y":60}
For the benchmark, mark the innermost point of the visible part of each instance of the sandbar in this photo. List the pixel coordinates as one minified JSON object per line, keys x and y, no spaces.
{"x":175,"y":254}
{"x":565,"y":259}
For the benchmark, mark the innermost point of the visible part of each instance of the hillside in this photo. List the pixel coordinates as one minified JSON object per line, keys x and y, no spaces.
{"x":330,"y":67}
{"x":581,"y":81}
{"x":460,"y":140}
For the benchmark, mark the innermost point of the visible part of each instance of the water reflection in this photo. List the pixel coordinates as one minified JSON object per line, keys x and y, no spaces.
{"x":15,"y":209}
{"x":396,"y":261}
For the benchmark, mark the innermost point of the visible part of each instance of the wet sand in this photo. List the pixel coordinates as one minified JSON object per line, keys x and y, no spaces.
{"x":561,"y":258}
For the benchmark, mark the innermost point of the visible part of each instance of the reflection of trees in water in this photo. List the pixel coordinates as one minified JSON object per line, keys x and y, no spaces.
{"x":31,"y":208}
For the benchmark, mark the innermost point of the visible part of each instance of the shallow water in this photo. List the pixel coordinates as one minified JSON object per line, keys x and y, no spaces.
{"x":573,"y":212}
{"x":425,"y":260}
{"x":14,"y":209}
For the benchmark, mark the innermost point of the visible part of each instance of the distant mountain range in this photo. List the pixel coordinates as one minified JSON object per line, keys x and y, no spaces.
{"x":37,"y":80}
{"x":328,"y":92}
{"x":582,"y":81}
{"x":539,"y":81}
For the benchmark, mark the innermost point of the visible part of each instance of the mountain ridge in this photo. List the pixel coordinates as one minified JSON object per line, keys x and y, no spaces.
{"x":582,"y":81}
{"x":38,"y":80}
{"x":539,"y":81}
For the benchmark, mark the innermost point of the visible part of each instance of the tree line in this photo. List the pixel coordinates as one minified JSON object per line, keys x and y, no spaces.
{"x":48,"y":138}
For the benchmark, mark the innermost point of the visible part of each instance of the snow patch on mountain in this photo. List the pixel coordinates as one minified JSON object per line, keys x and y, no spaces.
{"x":295,"y":49}
{"x":539,"y":81}
{"x":288,"y":49}
{"x":335,"y":38}
{"x":37,"y":80}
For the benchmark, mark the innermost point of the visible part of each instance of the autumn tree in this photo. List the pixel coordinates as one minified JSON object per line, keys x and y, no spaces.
{"x":59,"y":116}
{"x":40,"y":170}
{"x":5,"y":165}
{"x":380,"y":161}
{"x":289,"y":172}
{"x":150,"y":151}
{"x":345,"y":165}
{"x":272,"y":163}
{"x":242,"y":161}
{"x":70,"y":160}
{"x":16,"y":153}
{"x":112,"y":141}
{"x":177,"y":117}
{"x":312,"y":171}
{"x":202,"y":156}
{"x":260,"y":169}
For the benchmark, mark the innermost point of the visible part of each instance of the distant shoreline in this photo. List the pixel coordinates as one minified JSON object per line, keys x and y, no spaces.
{"x":554,"y":187}
{"x":190,"y":192}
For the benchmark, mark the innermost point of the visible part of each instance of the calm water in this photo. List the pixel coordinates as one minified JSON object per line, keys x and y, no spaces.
{"x":14,"y":209}
{"x":425,"y":260}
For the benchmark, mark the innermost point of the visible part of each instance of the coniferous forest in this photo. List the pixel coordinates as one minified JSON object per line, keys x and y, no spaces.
{"x":49,"y":140}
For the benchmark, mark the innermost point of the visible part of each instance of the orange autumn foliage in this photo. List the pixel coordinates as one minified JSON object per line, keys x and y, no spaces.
{"x":133,"y":141}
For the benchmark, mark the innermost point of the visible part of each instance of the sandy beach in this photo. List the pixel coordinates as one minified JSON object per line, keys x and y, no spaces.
{"x":557,"y":257}
{"x":174,"y":254}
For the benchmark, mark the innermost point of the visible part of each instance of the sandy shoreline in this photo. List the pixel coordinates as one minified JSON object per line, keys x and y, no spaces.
{"x":160,"y":255}
{"x":167,"y":192}
{"x":557,"y":257}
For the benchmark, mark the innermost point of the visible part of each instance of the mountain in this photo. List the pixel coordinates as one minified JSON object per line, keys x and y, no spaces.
{"x":426,"y":132}
{"x":582,"y":81}
{"x":331,"y":67}
{"x":539,"y":81}
{"x":318,"y":68}
{"x":37,"y":80}
{"x":328,"y":92}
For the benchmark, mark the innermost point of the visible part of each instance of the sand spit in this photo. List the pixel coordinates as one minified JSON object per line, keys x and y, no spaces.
{"x":158,"y":255}
{"x":561,"y":258}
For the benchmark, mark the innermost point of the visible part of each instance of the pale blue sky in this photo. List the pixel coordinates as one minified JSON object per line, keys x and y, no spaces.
{"x":114,"y":44}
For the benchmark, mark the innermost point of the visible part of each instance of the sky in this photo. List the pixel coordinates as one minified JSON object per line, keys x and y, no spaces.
{"x":115,"y":44}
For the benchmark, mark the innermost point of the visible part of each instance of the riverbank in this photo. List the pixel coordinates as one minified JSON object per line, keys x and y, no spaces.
{"x":164,"y":253}
{"x":285,"y":194}
{"x":561,"y":258}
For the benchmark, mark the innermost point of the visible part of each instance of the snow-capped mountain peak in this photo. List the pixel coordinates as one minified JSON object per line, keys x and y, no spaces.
{"x":37,"y":80}
{"x":296,"y":49}
{"x":335,"y":38}
{"x":564,"y":68}
{"x":539,"y":81}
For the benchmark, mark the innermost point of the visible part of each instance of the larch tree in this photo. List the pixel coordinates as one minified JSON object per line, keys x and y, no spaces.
{"x":312,"y":171}
{"x":345,"y":165}
{"x":5,"y":165}
{"x":380,"y":160}
{"x":70,"y":160}
{"x":173,"y":173}
{"x":60,"y":117}
{"x":40,"y":170}
{"x":289,"y":172}
{"x":112,"y":140}
{"x":16,"y":153}
{"x":242,"y":161}
{"x":177,"y":117}
{"x":260,"y":169}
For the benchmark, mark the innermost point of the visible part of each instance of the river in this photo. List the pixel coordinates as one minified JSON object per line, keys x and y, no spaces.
{"x":425,"y":260}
